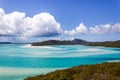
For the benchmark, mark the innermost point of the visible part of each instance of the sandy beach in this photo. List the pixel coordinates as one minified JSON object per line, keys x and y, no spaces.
{"x":9,"y":73}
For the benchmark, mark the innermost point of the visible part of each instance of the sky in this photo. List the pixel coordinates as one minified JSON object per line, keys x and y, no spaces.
{"x":28,"y":20}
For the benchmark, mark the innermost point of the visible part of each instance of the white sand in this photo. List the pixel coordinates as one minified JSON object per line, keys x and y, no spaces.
{"x":114,"y":61}
{"x":7,"y":73}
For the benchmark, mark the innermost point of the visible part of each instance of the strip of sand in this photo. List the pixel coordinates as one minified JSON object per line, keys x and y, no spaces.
{"x":8,"y":73}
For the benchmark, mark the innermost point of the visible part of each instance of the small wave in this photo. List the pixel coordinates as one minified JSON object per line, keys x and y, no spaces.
{"x":43,"y":47}
{"x":114,"y":61}
{"x":26,"y":46}
{"x":94,"y":50}
{"x":53,"y":51}
{"x":91,"y":49}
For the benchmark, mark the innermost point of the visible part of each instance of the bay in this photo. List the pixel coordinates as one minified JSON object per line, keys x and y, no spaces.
{"x":27,"y":60}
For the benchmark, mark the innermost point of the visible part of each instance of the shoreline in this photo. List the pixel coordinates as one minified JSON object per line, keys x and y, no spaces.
{"x":12,"y":73}
{"x":100,"y":71}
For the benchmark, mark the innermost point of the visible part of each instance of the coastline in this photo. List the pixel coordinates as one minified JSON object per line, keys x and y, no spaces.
{"x":9,"y":73}
{"x":12,"y":73}
{"x":103,"y":71}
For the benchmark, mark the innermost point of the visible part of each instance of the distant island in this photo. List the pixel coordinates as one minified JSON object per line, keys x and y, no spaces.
{"x":60,"y":42}
{"x":5,"y":43}
{"x":71,"y":42}
{"x":104,"y":71}
{"x":78,"y":42}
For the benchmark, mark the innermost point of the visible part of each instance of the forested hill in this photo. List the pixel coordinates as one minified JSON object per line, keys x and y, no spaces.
{"x":59,"y":42}
{"x":104,"y":71}
{"x":107,"y":44}
{"x":78,"y":42}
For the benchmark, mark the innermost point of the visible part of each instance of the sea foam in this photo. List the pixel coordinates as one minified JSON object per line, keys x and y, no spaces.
{"x":43,"y":47}
{"x":61,"y":51}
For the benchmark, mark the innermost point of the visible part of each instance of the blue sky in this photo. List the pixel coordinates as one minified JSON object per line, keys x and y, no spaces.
{"x":70,"y":13}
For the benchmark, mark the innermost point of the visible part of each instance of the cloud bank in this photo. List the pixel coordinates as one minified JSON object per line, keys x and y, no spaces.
{"x":98,"y":29}
{"x":105,"y":29}
{"x":17,"y":24}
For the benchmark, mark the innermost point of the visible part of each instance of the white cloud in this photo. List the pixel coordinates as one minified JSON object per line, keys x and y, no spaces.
{"x":105,"y":29}
{"x":42,"y":24}
{"x":20,"y":26}
{"x":17,"y":24}
{"x":100,"y":29}
{"x":115,"y":28}
{"x":81,"y":29}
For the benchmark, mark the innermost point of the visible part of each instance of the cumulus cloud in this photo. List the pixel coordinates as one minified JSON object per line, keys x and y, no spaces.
{"x":81,"y":29}
{"x":100,"y":29}
{"x":115,"y":28}
{"x":17,"y":24}
{"x":105,"y":29}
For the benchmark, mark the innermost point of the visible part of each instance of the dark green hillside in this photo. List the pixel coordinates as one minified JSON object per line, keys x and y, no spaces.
{"x":104,"y":71}
{"x":78,"y":42}
{"x":107,"y":44}
{"x":59,"y":42}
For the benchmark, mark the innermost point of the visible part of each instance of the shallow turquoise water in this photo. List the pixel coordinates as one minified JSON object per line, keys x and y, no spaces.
{"x":23,"y":57}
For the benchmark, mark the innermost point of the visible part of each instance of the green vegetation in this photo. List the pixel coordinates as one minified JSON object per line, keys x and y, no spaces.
{"x":78,"y":42}
{"x":106,"y":44}
{"x":58,"y":42}
{"x":104,"y":71}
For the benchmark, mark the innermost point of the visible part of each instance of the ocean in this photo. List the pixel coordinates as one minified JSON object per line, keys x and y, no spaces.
{"x":18,"y":61}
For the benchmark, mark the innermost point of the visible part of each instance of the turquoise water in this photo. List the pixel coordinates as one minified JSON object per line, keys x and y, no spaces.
{"x":24,"y":56}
